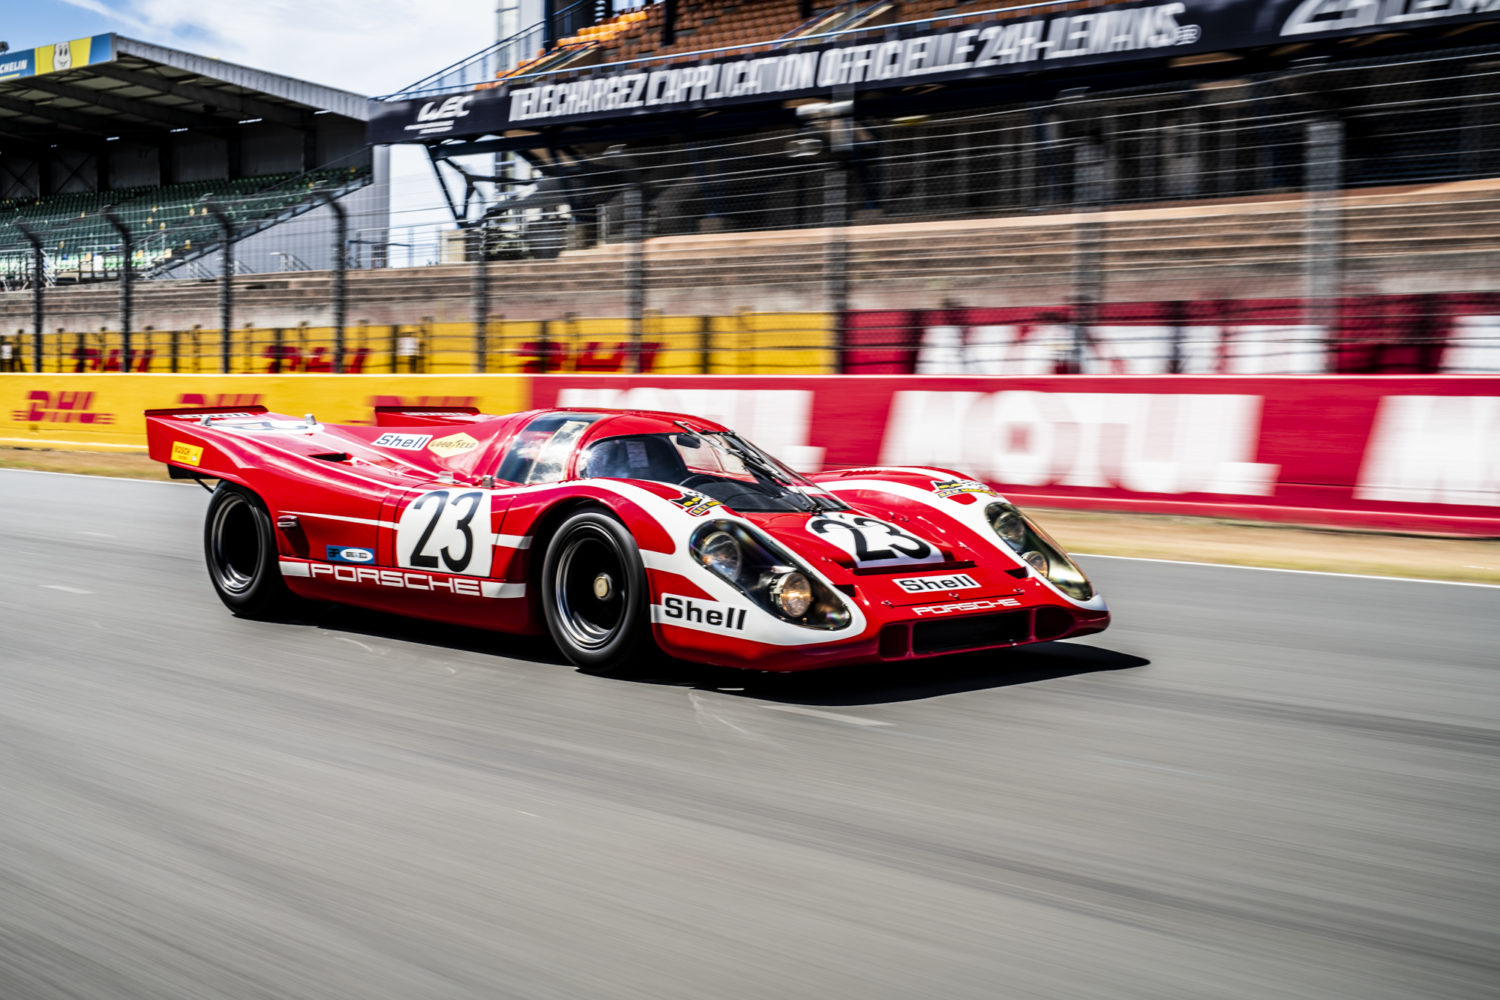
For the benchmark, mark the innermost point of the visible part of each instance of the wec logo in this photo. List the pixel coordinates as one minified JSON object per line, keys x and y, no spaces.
{"x":437,"y":116}
{"x":61,"y":408}
{"x":453,"y":107}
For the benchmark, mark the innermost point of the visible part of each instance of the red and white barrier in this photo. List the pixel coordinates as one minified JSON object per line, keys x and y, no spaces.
{"x":1418,"y":453}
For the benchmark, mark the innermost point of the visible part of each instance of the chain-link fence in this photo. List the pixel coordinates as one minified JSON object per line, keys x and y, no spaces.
{"x":1328,"y":217}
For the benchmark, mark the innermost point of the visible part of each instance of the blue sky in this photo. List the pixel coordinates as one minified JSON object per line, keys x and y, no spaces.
{"x":368,"y":46}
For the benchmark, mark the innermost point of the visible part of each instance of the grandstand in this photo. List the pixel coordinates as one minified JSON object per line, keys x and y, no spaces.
{"x":1198,"y":100}
{"x":160,"y":136}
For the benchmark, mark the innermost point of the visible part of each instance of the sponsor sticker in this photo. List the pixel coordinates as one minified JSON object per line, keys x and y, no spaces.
{"x":948,"y":609}
{"x":453,"y":444}
{"x":686,"y":611}
{"x":924,"y":584}
{"x":955,"y":487}
{"x":187,"y":454}
{"x":402,"y":579}
{"x":694,"y":503}
{"x":403,"y":442}
{"x":348,"y":554}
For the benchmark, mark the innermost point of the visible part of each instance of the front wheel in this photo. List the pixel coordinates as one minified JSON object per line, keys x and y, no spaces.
{"x":594,"y":594}
{"x":239,"y":545}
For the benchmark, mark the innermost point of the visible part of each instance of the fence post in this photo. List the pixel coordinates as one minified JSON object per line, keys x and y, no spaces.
{"x":126,"y":275}
{"x":481,"y":298}
{"x":38,"y":280}
{"x":226,"y":279}
{"x":635,"y":249}
{"x":1088,"y":240}
{"x":340,"y":264}
{"x":1322,"y":260}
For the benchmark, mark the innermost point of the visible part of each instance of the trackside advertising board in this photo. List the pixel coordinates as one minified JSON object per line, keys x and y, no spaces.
{"x":56,"y":58}
{"x":908,"y":55}
{"x":1415,"y":453}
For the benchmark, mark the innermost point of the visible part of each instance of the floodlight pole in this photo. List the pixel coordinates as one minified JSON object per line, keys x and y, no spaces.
{"x":128,"y":248}
{"x":340,"y":265}
{"x":226,"y":279}
{"x":37,"y":261}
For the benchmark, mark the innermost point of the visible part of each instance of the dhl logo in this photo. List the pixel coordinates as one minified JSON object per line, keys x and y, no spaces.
{"x":61,"y":408}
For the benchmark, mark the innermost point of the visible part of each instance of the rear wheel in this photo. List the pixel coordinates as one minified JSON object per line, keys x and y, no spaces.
{"x":239,"y":545}
{"x":594,"y":593}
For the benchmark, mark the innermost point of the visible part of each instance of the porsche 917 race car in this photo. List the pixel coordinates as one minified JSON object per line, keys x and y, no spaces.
{"x":611,"y":530}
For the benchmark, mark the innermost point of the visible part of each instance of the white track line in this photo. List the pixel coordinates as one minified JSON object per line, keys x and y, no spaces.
{"x":118,"y":479}
{"x":65,"y":588}
{"x":1278,"y":569}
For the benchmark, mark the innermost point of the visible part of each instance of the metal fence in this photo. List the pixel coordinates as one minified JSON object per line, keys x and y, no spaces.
{"x":1322,"y":218}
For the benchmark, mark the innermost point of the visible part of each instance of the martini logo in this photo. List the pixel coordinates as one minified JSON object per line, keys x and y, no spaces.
{"x":187,"y":454}
{"x":453,"y":444}
{"x":695,"y":504}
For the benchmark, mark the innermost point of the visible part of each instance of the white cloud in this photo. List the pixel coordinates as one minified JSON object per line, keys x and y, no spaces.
{"x":367,"y":46}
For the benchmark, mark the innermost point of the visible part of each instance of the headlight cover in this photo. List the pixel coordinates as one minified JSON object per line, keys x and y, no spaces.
{"x":1036,"y":548}
{"x":767,"y":574}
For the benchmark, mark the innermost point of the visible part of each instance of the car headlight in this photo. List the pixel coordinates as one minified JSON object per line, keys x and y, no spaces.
{"x":721,"y":553}
{"x":767,"y":574}
{"x":792,"y":593}
{"x":1037,"y":561}
{"x":1037,"y":549}
{"x":1009,"y":525}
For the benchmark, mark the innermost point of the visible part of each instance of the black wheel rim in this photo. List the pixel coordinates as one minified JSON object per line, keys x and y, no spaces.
{"x":234,"y":544}
{"x":589,"y":588}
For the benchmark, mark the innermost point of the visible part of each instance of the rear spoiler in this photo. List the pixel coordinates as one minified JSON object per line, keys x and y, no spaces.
{"x":220,"y":411}
{"x":183,"y":438}
{"x":407,"y":416}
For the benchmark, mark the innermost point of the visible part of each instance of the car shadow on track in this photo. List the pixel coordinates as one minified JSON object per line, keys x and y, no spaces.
{"x":870,"y":684}
{"x":913,"y":680}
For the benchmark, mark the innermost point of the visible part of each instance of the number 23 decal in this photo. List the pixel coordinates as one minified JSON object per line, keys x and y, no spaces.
{"x":872,"y":541}
{"x":446,"y":531}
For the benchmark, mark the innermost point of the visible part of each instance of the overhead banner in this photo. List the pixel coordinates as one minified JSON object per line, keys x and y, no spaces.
{"x":908,"y":55}
{"x":56,"y":58}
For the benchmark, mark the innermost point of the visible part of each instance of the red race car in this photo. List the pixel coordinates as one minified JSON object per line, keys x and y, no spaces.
{"x":612,"y":529}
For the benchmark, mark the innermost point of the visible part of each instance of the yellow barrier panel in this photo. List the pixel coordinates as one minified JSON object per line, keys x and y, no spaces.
{"x":745,"y":343}
{"x":102,"y":412}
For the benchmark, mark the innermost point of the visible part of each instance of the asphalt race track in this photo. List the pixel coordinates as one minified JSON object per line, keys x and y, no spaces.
{"x":1257,"y":784}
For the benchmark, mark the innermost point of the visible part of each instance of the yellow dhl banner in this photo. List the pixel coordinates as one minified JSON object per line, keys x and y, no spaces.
{"x":741,"y":344}
{"x":102,"y":412}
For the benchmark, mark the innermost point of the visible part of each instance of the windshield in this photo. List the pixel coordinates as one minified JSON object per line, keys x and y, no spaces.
{"x":714,"y":464}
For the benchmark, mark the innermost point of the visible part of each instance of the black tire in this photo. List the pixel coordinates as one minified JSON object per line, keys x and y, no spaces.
{"x":239,"y":545}
{"x":594,"y":593}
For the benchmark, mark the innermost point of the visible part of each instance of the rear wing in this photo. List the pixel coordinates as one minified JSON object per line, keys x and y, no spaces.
{"x":183,"y":439}
{"x":409,"y":416}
